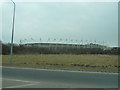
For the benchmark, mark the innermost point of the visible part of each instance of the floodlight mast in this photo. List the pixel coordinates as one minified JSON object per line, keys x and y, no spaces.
{"x":13,"y":23}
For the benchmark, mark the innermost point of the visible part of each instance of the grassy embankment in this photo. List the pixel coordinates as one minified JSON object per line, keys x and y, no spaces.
{"x":70,"y":62}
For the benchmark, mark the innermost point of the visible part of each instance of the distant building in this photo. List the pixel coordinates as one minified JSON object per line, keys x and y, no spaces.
{"x":61,"y":45}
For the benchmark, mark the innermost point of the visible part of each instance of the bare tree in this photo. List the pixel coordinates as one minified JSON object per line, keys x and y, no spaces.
{"x":20,"y":42}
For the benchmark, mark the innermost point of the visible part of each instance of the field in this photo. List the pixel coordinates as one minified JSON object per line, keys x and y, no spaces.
{"x":69,"y":62}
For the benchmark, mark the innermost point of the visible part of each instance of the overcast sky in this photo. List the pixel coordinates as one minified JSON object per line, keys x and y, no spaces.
{"x":67,"y":20}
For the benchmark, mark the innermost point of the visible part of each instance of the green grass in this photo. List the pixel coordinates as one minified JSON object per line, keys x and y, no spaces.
{"x":64,"y":61}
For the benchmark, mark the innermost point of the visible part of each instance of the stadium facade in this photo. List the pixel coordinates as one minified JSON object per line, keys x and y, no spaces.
{"x":64,"y":45}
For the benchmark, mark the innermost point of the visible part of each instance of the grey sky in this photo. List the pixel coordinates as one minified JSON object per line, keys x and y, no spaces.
{"x":72,"y":20}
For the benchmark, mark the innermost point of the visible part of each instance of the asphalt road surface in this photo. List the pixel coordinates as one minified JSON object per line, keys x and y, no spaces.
{"x":16,"y":77}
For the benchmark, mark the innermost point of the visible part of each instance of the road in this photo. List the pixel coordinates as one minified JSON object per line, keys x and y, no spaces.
{"x":16,"y":77}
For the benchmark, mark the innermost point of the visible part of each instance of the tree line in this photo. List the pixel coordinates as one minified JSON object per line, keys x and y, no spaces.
{"x":21,"y":49}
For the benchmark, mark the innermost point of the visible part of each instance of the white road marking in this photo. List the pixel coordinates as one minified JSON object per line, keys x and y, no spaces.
{"x":20,"y":86}
{"x":20,"y":80}
{"x":59,"y":70}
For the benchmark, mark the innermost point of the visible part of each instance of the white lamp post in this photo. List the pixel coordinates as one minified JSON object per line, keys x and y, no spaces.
{"x":11,"y":47}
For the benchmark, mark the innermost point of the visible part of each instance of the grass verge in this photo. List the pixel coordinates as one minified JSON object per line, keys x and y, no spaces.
{"x":70,"y":62}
